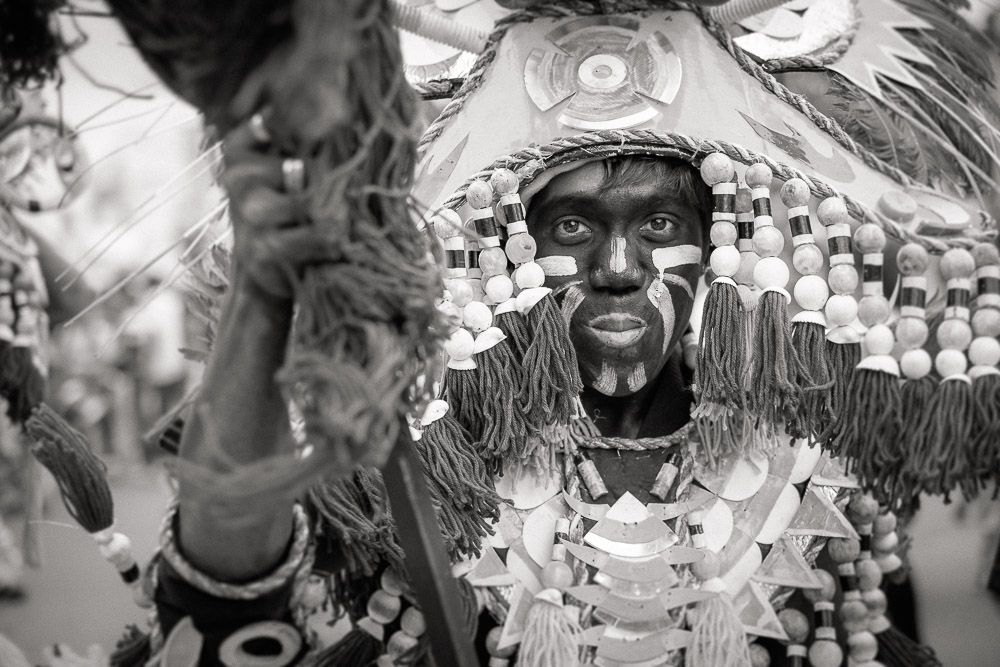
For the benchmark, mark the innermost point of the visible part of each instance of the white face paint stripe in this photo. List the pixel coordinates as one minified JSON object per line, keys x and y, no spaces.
{"x":608,"y":381}
{"x":574,"y":297}
{"x":557,"y":265}
{"x":617,"y":261}
{"x":665,"y":304}
{"x":678,"y":255}
{"x":637,"y":378}
{"x":675,"y":279}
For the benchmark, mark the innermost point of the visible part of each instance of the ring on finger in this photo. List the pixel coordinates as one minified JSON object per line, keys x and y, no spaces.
{"x":259,"y":129}
{"x":293,"y":175}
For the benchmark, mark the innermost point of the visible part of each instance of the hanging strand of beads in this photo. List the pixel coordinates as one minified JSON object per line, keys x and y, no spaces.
{"x":852,"y":612}
{"x":749,"y":294}
{"x":824,"y":650}
{"x":808,"y":325}
{"x":774,"y":365}
{"x":499,"y":287}
{"x":796,"y":626}
{"x":984,"y":353}
{"x":843,"y":342}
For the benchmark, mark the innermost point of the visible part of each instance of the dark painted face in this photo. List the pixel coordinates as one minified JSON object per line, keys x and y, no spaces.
{"x":628,"y":259}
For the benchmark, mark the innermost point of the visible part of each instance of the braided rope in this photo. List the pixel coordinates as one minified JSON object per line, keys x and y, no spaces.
{"x":531,"y":161}
{"x":250,"y":591}
{"x":680,"y":436}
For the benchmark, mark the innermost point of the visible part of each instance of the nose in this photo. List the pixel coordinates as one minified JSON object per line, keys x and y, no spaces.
{"x":616,"y":268}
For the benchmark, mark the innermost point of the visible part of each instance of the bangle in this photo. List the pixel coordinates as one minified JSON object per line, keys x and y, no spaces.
{"x":248,"y":591}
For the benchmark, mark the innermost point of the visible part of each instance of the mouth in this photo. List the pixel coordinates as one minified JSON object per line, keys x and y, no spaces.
{"x":617,"y":329}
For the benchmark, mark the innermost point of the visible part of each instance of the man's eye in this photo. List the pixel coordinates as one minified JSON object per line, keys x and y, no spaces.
{"x":571,"y":230}
{"x":659,"y":227}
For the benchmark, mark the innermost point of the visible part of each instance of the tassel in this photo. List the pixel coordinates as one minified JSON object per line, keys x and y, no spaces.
{"x":461,"y":385}
{"x":344,"y":515}
{"x":514,"y":328}
{"x":721,"y":353}
{"x":897,"y":650}
{"x":915,"y":401}
{"x":505,"y":430}
{"x":356,"y":649}
{"x":774,"y":394}
{"x":132,"y":650}
{"x":718,"y":636}
{"x":985,"y":450}
{"x":809,"y":340}
{"x":550,"y":634}
{"x":870,"y":426}
{"x":551,"y":370}
{"x":948,"y":425}
{"x":843,"y":359}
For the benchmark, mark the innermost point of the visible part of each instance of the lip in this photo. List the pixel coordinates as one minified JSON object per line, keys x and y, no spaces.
{"x":617,"y":329}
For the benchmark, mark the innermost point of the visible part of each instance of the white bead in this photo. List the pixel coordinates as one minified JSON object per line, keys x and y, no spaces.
{"x":477,"y":316}
{"x":412,"y":622}
{"x":885,"y":543}
{"x":399,"y":643}
{"x":841,"y":310}
{"x":460,"y":290}
{"x":879,"y":340}
{"x":984,"y":351}
{"x":770,"y":272}
{"x":811,"y":292}
{"x":118,"y":551}
{"x":460,"y":345}
{"x":529,"y":275}
{"x":954,"y":334}
{"x":725,"y":261}
{"x":950,"y":362}
{"x":915,"y":364}
{"x":723,"y":233}
{"x":499,"y":288}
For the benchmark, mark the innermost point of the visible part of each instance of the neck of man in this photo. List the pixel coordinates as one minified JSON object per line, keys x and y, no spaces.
{"x":625,"y":416}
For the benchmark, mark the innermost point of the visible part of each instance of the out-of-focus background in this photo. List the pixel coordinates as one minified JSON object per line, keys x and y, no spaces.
{"x":146,"y":207}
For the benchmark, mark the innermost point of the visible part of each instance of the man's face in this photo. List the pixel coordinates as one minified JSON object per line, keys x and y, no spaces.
{"x":605,"y":252}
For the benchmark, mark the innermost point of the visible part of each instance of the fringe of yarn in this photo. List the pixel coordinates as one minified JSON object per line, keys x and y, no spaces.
{"x":80,"y":475}
{"x":904,"y":487}
{"x":21,"y":384}
{"x":505,"y":428}
{"x":813,"y":416}
{"x":721,"y":354}
{"x":718,"y":636}
{"x":550,"y":636}
{"x":774,"y":393}
{"x":461,"y":389}
{"x":948,"y":426}
{"x":843,"y":359}
{"x":514,"y":328}
{"x":985,"y":450}
{"x":550,"y":366}
{"x":897,"y":650}
{"x":132,"y":650}
{"x":356,"y":649}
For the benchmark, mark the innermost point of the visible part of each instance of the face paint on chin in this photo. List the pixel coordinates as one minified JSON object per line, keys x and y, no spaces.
{"x":637,"y":378}
{"x":607,"y":382}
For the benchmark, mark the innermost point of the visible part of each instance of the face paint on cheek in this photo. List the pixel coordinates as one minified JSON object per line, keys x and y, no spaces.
{"x":558,"y":265}
{"x":660,"y":297}
{"x":607,"y":382}
{"x":637,"y":378}
{"x":574,"y":297}
{"x":617,"y":261}
{"x":674,"y":256}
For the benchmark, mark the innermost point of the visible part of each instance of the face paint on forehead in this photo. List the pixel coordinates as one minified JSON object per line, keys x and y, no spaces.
{"x":617,"y":262}
{"x":637,"y":378}
{"x":607,"y":383}
{"x":558,"y":265}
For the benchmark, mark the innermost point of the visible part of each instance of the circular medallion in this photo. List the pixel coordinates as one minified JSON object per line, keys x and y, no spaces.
{"x":264,"y":644}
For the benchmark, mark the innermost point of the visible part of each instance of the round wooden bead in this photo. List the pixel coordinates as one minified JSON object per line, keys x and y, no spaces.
{"x":985,"y":254}
{"x":875,"y":600}
{"x":843,"y":549}
{"x":758,"y":175}
{"x":862,"y":646}
{"x":383,"y":607}
{"x":707,"y":567}
{"x":723,"y":233}
{"x":795,"y":192}
{"x":399,"y":644}
{"x":879,"y":339}
{"x":529,"y":275}
{"x":950,"y":362}
{"x":841,"y":310}
{"x":493,"y":639}
{"x":885,"y":543}
{"x":825,"y":653}
{"x":885,"y":523}
{"x":912,"y":332}
{"x":412,"y":622}
{"x":811,"y":292}
{"x":768,"y":241}
{"x":770,"y":272}
{"x":479,"y":194}
{"x":869,"y":238}
{"x":717,"y":168}
{"x":912,"y":259}
{"x":460,"y":345}
{"x":853,"y":615}
{"x":477,"y":316}
{"x":725,"y":261}
{"x":447,"y":223}
{"x":915,"y":364}
{"x":499,"y":288}
{"x":504,"y":181}
{"x":808,"y":259}
{"x":873,"y":309}
{"x":986,"y":322}
{"x":391,"y":583}
{"x":954,"y":334}
{"x":897,"y":205}
{"x":492,"y":261}
{"x":843,"y":279}
{"x":521,"y":248}
{"x":460,"y":290}
{"x":795,"y":623}
{"x":984,"y":352}
{"x":557,"y":574}
{"x":862,"y":509}
{"x":826,"y":592}
{"x":957,"y":263}
{"x":869,"y":574}
{"x":759,"y":657}
{"x":832,"y":211}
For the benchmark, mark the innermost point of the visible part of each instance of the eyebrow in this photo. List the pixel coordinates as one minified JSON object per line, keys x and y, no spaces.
{"x":660,"y":200}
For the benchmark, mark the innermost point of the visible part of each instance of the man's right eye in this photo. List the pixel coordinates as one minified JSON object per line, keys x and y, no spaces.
{"x":570,"y":231}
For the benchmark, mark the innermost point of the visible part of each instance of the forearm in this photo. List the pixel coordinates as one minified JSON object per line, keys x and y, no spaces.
{"x":240,"y":417}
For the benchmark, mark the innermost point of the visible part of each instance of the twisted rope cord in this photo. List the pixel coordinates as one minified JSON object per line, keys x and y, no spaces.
{"x":830,"y":55}
{"x":531,"y":161}
{"x":249,"y":591}
{"x":680,"y":436}
{"x":438,"y":89}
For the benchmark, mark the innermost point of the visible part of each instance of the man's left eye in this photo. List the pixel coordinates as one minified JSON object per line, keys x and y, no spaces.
{"x":659,"y":226}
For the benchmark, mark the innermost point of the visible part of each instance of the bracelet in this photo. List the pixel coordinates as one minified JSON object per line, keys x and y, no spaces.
{"x":220,"y":589}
